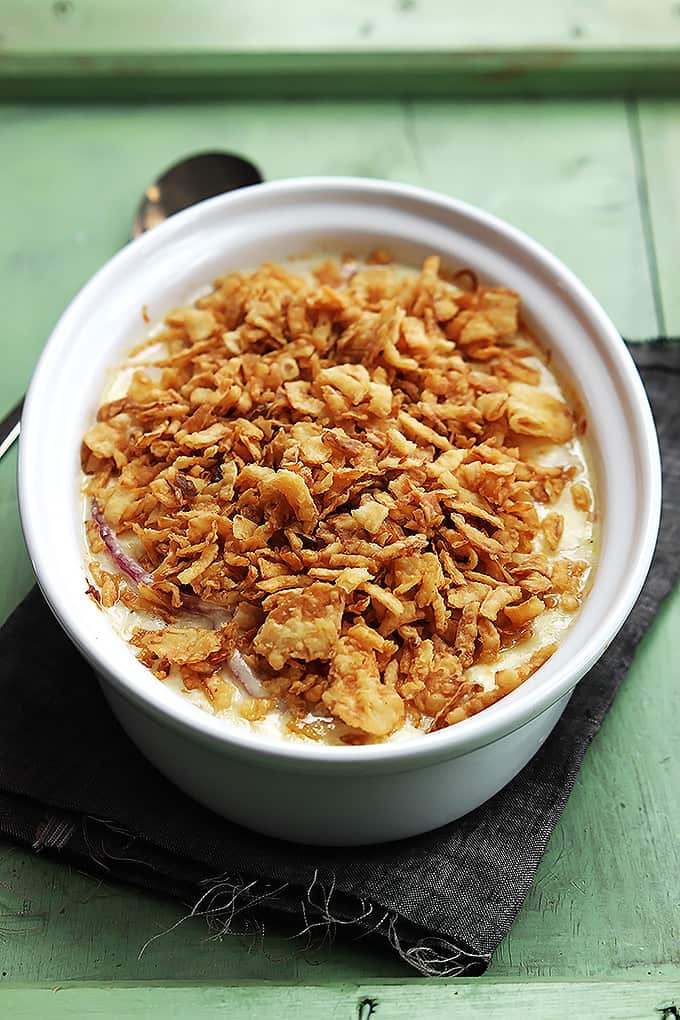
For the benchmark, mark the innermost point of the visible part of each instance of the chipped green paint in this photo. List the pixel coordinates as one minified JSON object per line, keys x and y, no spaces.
{"x":464,"y":999}
{"x":337,"y":48}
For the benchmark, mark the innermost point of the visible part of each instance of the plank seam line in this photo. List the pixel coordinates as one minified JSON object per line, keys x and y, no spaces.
{"x":411,"y":135}
{"x":635,"y":133}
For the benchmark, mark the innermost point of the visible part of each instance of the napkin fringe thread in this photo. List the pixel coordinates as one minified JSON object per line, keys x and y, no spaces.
{"x":231,"y":905}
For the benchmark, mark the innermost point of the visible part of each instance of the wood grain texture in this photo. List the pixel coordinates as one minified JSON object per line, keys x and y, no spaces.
{"x":605,"y":904}
{"x":464,"y":999}
{"x":124,"y":26}
{"x":337,"y":48}
{"x":659,"y":123}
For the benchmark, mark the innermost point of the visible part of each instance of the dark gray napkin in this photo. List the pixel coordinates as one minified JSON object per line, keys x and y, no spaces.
{"x":72,"y":784}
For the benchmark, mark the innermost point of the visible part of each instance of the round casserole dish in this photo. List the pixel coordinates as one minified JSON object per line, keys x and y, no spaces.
{"x":307,"y":792}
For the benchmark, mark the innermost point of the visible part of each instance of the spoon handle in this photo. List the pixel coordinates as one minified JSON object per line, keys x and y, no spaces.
{"x":9,"y":427}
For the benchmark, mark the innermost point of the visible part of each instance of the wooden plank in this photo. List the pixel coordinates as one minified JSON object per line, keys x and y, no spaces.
{"x":123,"y":26}
{"x":467,"y":999}
{"x":410,"y":47}
{"x":340,"y":76}
{"x":659,"y":125}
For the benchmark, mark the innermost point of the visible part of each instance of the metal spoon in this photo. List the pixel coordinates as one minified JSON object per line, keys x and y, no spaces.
{"x":185,"y":183}
{"x":190,"y":181}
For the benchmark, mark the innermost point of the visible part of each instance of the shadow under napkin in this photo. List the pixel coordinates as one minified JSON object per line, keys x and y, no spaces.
{"x":72,"y":784}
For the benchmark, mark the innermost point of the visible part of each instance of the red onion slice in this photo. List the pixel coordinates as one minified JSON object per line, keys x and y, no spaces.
{"x":245,"y":676}
{"x":126,"y":563}
{"x":238,"y":666}
{"x":192,"y":603}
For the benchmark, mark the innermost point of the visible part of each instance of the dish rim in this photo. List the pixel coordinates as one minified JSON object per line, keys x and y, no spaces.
{"x":488,"y":726}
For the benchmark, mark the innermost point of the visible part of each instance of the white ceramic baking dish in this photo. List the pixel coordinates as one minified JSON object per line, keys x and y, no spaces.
{"x":304,"y":792}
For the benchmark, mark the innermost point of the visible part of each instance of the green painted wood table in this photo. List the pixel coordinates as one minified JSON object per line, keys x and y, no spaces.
{"x":595,"y":179}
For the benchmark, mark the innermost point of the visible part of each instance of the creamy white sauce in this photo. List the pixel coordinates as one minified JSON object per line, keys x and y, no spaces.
{"x":578,"y":543}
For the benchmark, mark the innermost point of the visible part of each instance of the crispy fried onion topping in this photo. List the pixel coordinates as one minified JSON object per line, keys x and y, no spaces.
{"x":337,"y":463}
